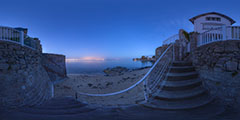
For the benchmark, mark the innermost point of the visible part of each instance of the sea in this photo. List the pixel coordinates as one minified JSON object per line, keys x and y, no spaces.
{"x":97,"y":67}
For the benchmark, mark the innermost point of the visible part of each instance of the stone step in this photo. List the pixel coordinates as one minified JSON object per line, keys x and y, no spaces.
{"x":31,"y":101}
{"x":181,"y":69}
{"x":40,"y":96}
{"x":176,"y":87}
{"x":46,"y":95}
{"x":206,"y":112}
{"x":182,"y":76}
{"x":76,"y":105}
{"x":180,"y":104}
{"x":34,"y":89}
{"x":60,"y":101}
{"x":182,"y":83}
{"x":183,"y":94}
{"x":57,"y":109}
{"x":180,"y":63}
{"x":58,"y":104}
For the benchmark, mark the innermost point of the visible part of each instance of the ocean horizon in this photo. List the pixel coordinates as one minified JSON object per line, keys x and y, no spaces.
{"x":97,"y":66}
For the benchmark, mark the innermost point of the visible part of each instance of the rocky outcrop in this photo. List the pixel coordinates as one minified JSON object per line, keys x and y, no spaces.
{"x":115,"y":71}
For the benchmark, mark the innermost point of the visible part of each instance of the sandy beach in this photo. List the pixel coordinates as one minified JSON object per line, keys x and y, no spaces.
{"x":95,"y":84}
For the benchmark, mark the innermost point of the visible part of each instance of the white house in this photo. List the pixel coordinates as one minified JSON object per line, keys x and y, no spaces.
{"x":215,"y":27}
{"x":211,"y":20}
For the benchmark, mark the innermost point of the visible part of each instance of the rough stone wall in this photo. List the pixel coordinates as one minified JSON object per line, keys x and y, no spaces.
{"x":55,"y":66}
{"x":23,"y":79}
{"x":193,"y":36}
{"x":219,"y":65}
{"x":176,"y":50}
{"x":160,"y":50}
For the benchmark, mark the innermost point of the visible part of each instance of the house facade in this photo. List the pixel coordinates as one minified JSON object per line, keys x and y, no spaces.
{"x":209,"y":21}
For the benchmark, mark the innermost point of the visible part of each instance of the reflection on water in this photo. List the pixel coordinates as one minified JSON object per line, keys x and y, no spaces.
{"x":97,"y":67}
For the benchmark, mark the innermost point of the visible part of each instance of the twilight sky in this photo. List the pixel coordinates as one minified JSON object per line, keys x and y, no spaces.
{"x":108,"y":28}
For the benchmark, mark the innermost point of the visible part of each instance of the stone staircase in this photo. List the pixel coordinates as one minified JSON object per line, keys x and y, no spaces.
{"x":182,"y":90}
{"x":58,"y":106}
{"x":182,"y":97}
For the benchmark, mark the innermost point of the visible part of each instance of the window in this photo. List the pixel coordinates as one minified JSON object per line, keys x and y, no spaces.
{"x":211,"y":26}
{"x":213,"y":18}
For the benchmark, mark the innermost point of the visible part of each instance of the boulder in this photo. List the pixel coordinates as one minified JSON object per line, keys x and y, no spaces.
{"x":115,"y":71}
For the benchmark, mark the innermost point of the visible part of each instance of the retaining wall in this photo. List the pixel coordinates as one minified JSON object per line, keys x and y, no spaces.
{"x":218,"y":64}
{"x":55,"y":66}
{"x":24,"y":81}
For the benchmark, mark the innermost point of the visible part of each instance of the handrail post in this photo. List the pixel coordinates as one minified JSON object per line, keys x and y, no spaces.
{"x":21,"y":38}
{"x":145,"y":90}
{"x":173,"y":52}
{"x":1,"y":33}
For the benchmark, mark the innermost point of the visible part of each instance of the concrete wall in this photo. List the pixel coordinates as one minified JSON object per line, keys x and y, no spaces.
{"x":55,"y":66}
{"x":218,"y":64}
{"x":24,"y":81}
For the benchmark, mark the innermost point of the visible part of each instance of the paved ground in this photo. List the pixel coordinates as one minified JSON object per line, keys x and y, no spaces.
{"x":131,"y":113}
{"x":67,"y":108}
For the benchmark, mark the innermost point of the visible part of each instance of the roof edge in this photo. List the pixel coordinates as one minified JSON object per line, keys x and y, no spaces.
{"x":204,"y":14}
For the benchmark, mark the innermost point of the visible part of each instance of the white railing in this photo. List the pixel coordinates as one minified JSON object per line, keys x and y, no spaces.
{"x":171,"y":39}
{"x":157,"y":76}
{"x":219,"y":34}
{"x":16,"y":36}
{"x":154,"y":78}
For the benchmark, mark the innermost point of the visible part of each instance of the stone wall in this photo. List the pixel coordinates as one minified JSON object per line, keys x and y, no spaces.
{"x":219,"y":65}
{"x":193,"y":36}
{"x":160,"y":50}
{"x":24,"y":81}
{"x":55,"y":66}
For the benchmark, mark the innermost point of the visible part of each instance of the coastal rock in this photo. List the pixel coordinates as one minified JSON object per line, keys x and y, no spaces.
{"x":115,"y":71}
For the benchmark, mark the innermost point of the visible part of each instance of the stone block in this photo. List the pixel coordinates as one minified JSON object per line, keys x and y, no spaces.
{"x":219,"y":49}
{"x":231,"y":65}
{"x":4,"y":66}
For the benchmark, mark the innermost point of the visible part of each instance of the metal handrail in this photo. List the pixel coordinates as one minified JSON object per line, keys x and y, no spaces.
{"x":219,"y":34}
{"x":134,"y":85}
{"x":171,"y":39}
{"x":15,"y":36}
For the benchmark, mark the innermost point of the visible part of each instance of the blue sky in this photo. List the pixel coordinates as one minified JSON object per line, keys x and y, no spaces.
{"x":107,"y":28}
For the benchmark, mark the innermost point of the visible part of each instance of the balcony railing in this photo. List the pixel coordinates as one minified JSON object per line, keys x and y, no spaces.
{"x":219,"y":34}
{"x":16,"y":36}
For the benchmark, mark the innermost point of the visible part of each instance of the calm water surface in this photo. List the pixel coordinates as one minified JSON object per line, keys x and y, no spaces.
{"x":97,"y":67}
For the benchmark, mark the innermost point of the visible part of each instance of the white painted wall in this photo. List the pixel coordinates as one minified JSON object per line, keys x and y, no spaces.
{"x":199,"y":22}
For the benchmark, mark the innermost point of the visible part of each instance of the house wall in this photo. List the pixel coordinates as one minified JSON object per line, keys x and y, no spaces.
{"x":198,"y":23}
